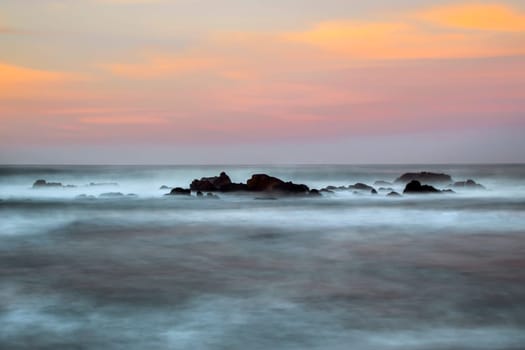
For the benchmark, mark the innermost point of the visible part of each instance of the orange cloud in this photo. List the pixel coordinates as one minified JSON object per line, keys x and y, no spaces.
{"x":10,"y":74}
{"x":409,"y":36}
{"x":490,"y":17}
{"x":159,"y":66}
{"x":17,"y":81}
{"x":396,"y":40}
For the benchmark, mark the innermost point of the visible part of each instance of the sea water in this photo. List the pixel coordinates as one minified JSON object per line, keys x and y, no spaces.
{"x":344,"y":271}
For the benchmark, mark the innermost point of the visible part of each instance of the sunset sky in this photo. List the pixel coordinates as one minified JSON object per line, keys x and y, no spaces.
{"x":273,"y":81}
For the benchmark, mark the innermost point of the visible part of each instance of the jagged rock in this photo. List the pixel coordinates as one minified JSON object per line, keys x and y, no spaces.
{"x":424,"y":177}
{"x":266,"y":183}
{"x":179,"y":191}
{"x":382,"y":183}
{"x":415,"y":186}
{"x":215,"y":183}
{"x":393,"y":194}
{"x":469,"y":184}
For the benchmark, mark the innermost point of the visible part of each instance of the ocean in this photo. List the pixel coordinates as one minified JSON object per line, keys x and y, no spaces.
{"x":343,"y":271}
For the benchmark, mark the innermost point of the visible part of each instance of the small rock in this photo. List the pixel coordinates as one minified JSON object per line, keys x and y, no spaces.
{"x":360,"y":187}
{"x":179,"y":191}
{"x":393,"y":194}
{"x":415,"y":186}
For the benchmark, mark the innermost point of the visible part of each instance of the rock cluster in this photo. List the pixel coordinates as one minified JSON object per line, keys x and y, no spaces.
{"x":41,"y":183}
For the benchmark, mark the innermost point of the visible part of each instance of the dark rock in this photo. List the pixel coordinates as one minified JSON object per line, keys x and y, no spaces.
{"x":43,"y":183}
{"x":393,"y":194}
{"x":382,"y":183}
{"x":199,"y":194}
{"x":415,"y":186}
{"x":315,"y":193}
{"x":216,"y":183}
{"x":179,"y":191}
{"x":424,"y":177}
{"x":234,"y":187}
{"x":360,"y":187}
{"x":326,"y":190}
{"x":164,"y":187}
{"x":132,"y":195}
{"x":266,"y":183}
{"x":265,"y":198}
{"x":331,"y":188}
{"x":469,"y":184}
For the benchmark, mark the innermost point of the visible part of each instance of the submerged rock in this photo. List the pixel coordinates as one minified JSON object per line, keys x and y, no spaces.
{"x":315,"y":193}
{"x":210,"y":195}
{"x":469,"y":184}
{"x":382,"y":183}
{"x":424,"y":177}
{"x":360,"y":187}
{"x":97,"y":184}
{"x":111,"y":195}
{"x":393,"y":194}
{"x":385,"y":189}
{"x":85,"y":196}
{"x":415,"y":186}
{"x":164,"y":187}
{"x":179,"y":191}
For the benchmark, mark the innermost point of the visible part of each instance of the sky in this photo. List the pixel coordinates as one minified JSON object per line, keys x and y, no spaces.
{"x":252,"y":81}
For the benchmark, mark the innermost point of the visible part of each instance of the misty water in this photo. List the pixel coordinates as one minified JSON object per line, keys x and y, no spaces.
{"x":345,"y":271}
